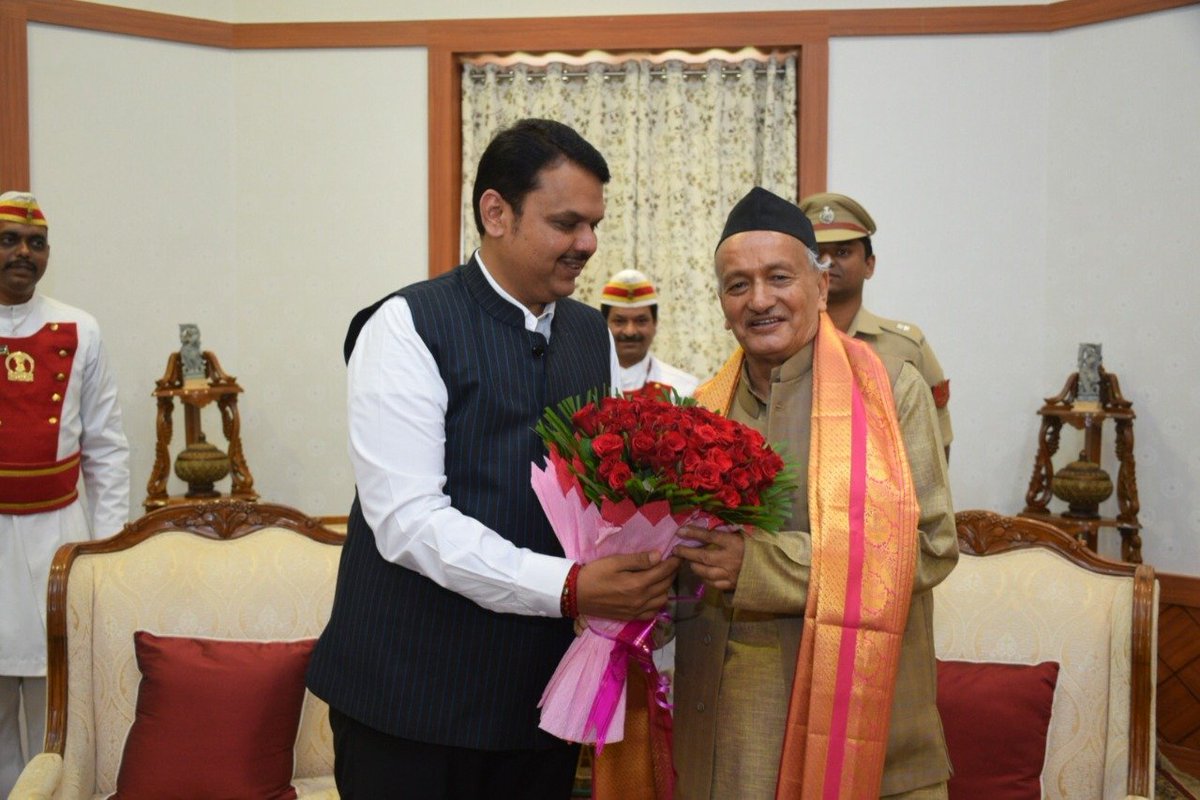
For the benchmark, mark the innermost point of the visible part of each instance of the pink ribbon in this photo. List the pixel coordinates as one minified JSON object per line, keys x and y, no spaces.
{"x":632,"y":643}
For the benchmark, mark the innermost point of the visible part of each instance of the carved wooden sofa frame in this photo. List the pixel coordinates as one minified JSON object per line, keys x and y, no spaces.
{"x":226,"y":520}
{"x":984,"y":533}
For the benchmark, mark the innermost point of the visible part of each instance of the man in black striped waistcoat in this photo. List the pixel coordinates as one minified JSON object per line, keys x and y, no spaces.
{"x":449,"y":616}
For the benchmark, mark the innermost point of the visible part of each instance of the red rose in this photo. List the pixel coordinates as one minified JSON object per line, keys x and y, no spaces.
{"x":739,"y":478}
{"x":774,"y":463}
{"x":619,"y":475}
{"x":672,"y":442}
{"x":586,"y":419}
{"x":705,"y":433}
{"x":708,"y":476}
{"x":642,"y":444}
{"x":729,"y":497}
{"x":719,"y":459}
{"x":608,"y":444}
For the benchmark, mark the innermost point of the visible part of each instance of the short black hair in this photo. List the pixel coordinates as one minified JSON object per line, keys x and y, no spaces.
{"x":516,"y":155}
{"x":605,"y":308}
{"x":868,"y":251}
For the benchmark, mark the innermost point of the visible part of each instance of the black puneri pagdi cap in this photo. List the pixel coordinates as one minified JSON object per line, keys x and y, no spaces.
{"x":761,"y":210}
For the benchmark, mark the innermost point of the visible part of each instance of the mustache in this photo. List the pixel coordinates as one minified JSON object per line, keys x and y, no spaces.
{"x":19,"y":262}
{"x":631,"y":337}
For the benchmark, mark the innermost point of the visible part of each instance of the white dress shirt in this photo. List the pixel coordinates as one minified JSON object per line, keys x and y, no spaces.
{"x":397,"y":407}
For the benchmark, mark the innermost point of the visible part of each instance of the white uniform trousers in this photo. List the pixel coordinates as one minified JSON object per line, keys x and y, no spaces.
{"x":19,"y":743}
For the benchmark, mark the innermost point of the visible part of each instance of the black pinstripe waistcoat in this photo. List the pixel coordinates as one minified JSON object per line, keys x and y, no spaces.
{"x":400,"y":653}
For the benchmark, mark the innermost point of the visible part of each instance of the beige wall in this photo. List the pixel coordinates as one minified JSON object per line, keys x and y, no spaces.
{"x":1033,"y":192}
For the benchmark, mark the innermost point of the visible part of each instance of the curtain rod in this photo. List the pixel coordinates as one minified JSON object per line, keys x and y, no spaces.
{"x":478,"y":72}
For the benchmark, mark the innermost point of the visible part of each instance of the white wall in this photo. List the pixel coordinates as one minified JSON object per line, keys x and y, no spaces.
{"x":955,"y":181}
{"x":1124,"y":216}
{"x":131,"y":144}
{"x":267,"y":195}
{"x":1034,"y":192}
{"x":330,"y":216}
{"x":265,"y":198}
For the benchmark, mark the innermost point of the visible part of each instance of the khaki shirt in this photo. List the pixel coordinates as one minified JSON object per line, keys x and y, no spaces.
{"x":736,"y":651}
{"x":906,"y":341}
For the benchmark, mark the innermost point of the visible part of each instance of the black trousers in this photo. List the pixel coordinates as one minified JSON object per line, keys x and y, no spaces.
{"x":372,"y":765}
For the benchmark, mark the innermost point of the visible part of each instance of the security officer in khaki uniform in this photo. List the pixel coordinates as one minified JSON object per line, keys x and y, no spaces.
{"x":844,"y":230}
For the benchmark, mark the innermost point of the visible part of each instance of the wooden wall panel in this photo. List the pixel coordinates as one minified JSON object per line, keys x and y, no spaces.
{"x":267,"y":36}
{"x":1179,"y":670}
{"x":131,"y":22}
{"x":445,"y":160}
{"x":14,"y":98}
{"x":812,"y":122}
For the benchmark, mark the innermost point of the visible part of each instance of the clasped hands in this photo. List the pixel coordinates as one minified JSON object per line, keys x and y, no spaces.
{"x":637,"y":585}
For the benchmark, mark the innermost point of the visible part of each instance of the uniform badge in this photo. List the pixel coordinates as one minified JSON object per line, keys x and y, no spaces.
{"x":20,"y":366}
{"x":941,"y":393}
{"x":826,"y":216}
{"x":3,"y":349}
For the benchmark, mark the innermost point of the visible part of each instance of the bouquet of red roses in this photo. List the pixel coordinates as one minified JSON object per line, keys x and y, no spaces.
{"x":623,"y":475}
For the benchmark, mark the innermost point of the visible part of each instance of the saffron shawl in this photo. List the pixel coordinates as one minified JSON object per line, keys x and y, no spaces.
{"x":863,"y":516}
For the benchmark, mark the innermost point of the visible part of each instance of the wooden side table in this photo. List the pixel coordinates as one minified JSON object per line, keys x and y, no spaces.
{"x":218,"y":387}
{"x":1090,"y":419}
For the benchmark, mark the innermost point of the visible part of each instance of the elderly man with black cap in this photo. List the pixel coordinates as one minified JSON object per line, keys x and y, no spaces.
{"x":59,"y":418}
{"x":844,"y":229}
{"x":629,"y":303}
{"x":807,"y":669}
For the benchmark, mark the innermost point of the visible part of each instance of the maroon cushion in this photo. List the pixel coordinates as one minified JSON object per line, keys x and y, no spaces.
{"x":995,"y":717}
{"x":215,"y":718}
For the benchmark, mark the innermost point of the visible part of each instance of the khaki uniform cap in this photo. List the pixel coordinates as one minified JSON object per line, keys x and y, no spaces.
{"x":836,"y":217}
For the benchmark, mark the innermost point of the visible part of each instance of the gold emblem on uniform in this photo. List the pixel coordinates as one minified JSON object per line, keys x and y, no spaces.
{"x":20,"y":366}
{"x":826,"y":216}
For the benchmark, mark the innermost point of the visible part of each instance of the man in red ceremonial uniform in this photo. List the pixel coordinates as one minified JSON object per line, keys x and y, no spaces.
{"x":629,"y":304}
{"x":59,"y":418}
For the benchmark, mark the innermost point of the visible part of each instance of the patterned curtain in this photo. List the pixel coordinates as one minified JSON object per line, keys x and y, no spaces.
{"x":683,"y":145}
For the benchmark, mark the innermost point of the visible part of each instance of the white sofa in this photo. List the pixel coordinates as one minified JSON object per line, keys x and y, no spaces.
{"x":223,"y":570}
{"x":1026,"y":592}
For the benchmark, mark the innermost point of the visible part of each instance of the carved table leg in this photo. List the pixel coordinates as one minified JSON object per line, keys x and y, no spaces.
{"x":156,"y":488}
{"x":1038,"y":495}
{"x":1131,"y":545}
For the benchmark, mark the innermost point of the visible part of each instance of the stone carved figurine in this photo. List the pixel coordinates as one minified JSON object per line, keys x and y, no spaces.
{"x":1087,"y":389}
{"x":189,"y":353}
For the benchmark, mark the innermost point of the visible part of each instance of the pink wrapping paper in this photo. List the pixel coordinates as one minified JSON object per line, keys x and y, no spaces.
{"x":569,"y":704}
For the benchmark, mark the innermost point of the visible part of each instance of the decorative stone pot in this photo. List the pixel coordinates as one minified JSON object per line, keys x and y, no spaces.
{"x":201,"y":465}
{"x":1084,"y":486}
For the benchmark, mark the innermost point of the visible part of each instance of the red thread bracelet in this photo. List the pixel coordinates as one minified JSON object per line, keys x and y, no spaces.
{"x":569,"y":603}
